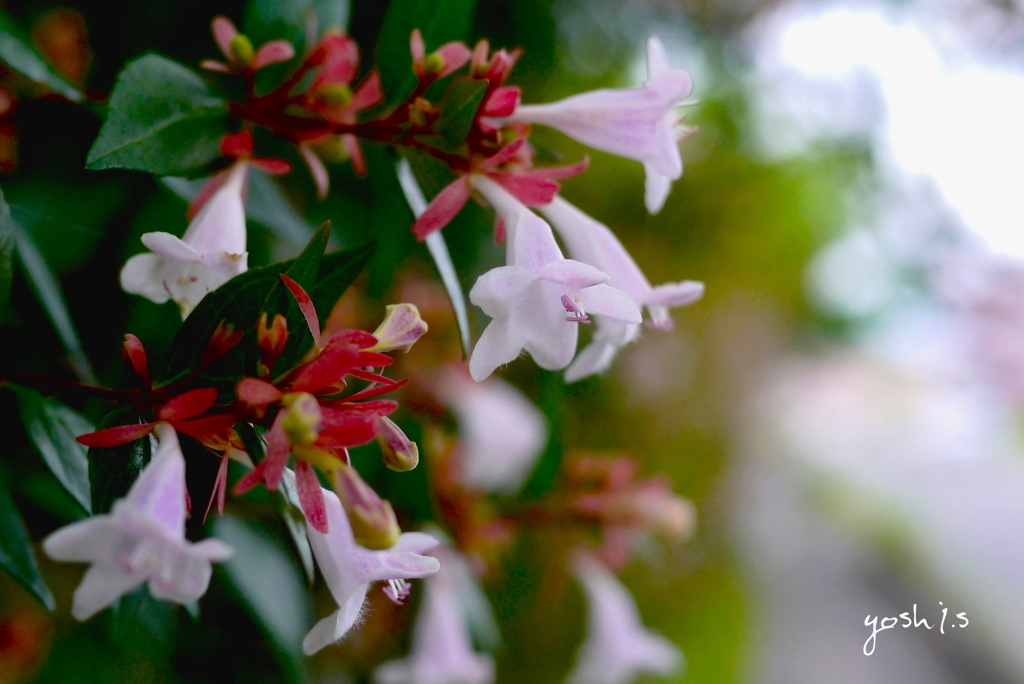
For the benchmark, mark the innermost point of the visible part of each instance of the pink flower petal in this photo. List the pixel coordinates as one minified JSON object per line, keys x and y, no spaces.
{"x":454,"y":55}
{"x":273,"y":52}
{"x":502,"y":102}
{"x":317,"y":170}
{"x":442,"y":209}
{"x":224,"y":32}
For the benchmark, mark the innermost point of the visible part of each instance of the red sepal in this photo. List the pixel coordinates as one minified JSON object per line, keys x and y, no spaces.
{"x":115,"y":436}
{"x":206,"y":426}
{"x":187,"y":405}
{"x":135,"y":356}
{"x":305,"y":303}
{"x":257,"y":392}
{"x":311,"y":496}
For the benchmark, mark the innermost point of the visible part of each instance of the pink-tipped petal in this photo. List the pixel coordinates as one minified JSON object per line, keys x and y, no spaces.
{"x":530,"y":189}
{"x":454,"y":55}
{"x":317,"y":170}
{"x":273,"y":52}
{"x":311,"y":496}
{"x":502,"y":102}
{"x":305,"y":303}
{"x":418,"y":51}
{"x":224,"y":32}
{"x":442,"y":209}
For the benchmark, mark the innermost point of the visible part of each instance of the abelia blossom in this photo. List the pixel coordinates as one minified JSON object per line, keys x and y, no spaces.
{"x":239,"y":52}
{"x":524,"y":298}
{"x":532,"y":187}
{"x":617,"y":648}
{"x":500,"y":432}
{"x":442,"y":647}
{"x":350,"y":569}
{"x":142,"y":539}
{"x":211,"y":252}
{"x":594,"y":243}
{"x":444,"y":60}
{"x":638,"y":123}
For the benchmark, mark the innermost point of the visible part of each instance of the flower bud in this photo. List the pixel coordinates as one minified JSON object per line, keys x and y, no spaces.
{"x":373,"y":521}
{"x":241,"y":50}
{"x":401,"y":327}
{"x":669,"y":516}
{"x":271,"y":340}
{"x":433,"y":63}
{"x":332,"y":149}
{"x":134,"y":355}
{"x":302,"y":421}
{"x":400,"y":453}
{"x":334,"y":94}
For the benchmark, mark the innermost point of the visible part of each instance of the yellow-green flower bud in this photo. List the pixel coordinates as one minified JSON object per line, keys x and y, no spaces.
{"x":401,"y":327}
{"x":373,"y":521}
{"x":334,"y":94}
{"x":302,"y":421}
{"x":400,"y":453}
{"x":242,"y":50}
{"x":433,"y":63}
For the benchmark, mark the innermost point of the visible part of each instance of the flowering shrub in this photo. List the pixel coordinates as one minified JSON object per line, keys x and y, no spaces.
{"x":265,"y":390}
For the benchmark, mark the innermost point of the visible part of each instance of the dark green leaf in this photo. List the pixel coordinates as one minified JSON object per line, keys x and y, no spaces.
{"x":112,"y":470}
{"x":270,"y":585}
{"x":163,"y":119}
{"x":552,"y":402}
{"x":7,"y":236}
{"x":16,"y":556}
{"x":48,"y":292}
{"x":17,"y":51}
{"x":458,"y":105}
{"x":240,"y":301}
{"x":440,"y":21}
{"x":287,"y":19}
{"x":52,"y":426}
{"x":438,"y":251}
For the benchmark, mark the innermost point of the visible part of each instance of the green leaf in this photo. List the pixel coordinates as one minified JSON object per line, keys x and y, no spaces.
{"x":440,"y":21}
{"x":438,"y":249}
{"x":17,"y":51}
{"x":291,"y":512}
{"x":7,"y":236}
{"x":48,"y":292}
{"x":162,"y":119}
{"x":552,"y":401}
{"x":16,"y":556}
{"x":270,"y":585}
{"x":112,"y":470}
{"x":287,"y":19}
{"x":52,"y":426}
{"x":459,"y":104}
{"x":240,"y":301}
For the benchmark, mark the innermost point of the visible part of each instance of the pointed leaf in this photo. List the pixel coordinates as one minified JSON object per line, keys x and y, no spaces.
{"x":162,"y":119}
{"x":439,"y":21}
{"x":270,"y":585}
{"x":17,"y":52}
{"x":295,"y":521}
{"x":52,"y":427}
{"x":459,"y":105}
{"x":17,"y":558}
{"x":51,"y":298}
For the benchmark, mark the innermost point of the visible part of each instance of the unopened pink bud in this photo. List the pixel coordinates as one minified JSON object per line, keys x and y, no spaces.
{"x":401,"y":327}
{"x":400,"y":453}
{"x":373,"y":521}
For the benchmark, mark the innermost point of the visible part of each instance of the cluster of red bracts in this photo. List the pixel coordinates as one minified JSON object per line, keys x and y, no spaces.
{"x":318,"y":108}
{"x":300,"y":408}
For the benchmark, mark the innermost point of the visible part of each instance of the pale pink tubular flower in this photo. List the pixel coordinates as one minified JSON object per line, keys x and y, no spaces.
{"x":594,"y":243}
{"x":349,"y":569}
{"x":617,"y":648}
{"x":502,"y":434}
{"x":141,"y":539}
{"x":442,"y":649}
{"x":637,"y":123}
{"x":529,"y":299}
{"x":211,"y":252}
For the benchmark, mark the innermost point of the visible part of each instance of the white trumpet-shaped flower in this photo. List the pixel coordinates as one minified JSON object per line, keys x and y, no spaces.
{"x":529,"y":298}
{"x":636,"y":123}
{"x":592,"y":242}
{"x":502,"y":434}
{"x":350,"y":569}
{"x":141,"y":539}
{"x":211,"y":252}
{"x":617,"y":648}
{"x":442,"y":648}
